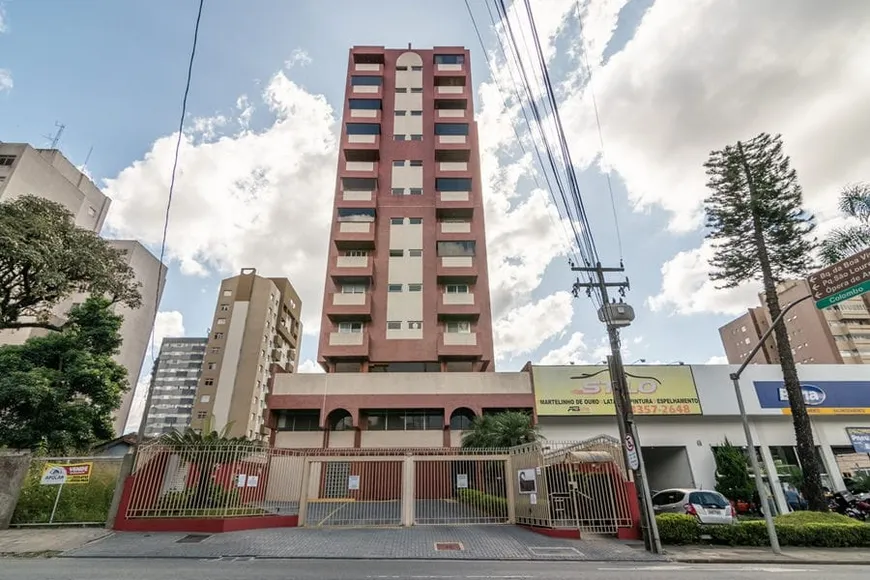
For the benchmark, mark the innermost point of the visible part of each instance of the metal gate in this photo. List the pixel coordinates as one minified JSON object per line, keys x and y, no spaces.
{"x":67,"y":491}
{"x":462,"y":489}
{"x":576,"y":485}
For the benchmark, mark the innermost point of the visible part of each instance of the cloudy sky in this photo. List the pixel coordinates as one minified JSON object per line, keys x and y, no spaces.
{"x":672,"y":80}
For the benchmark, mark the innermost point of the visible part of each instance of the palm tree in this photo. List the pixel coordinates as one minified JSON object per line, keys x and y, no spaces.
{"x":851,"y":239}
{"x":501,"y":431}
{"x":206,"y":450}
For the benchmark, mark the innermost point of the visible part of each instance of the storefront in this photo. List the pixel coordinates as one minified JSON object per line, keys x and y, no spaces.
{"x":683,"y":411}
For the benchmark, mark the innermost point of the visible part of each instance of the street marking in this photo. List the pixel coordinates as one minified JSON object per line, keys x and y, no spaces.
{"x":554,"y":550}
{"x":404,"y":576}
{"x":709,"y":568}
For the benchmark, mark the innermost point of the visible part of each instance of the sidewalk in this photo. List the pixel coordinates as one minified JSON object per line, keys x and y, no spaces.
{"x":29,"y":542}
{"x":729,"y":555}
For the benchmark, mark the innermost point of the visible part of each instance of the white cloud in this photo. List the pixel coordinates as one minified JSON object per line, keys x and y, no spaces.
{"x":297,"y":58}
{"x":717,"y":360}
{"x":6,"y":83}
{"x":3,"y":26}
{"x":166,"y":324}
{"x":523,"y":329}
{"x":573,"y":351}
{"x":310,"y":366}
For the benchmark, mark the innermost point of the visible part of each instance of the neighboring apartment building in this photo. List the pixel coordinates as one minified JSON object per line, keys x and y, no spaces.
{"x":256,"y":331}
{"x":48,"y":174}
{"x":836,"y":335}
{"x":407,"y":285}
{"x":174,"y":387}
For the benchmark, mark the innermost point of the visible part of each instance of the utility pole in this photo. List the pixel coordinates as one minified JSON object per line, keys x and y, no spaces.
{"x":616,"y":315}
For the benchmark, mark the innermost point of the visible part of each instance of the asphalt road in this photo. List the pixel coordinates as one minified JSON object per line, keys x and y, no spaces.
{"x":153,"y":569}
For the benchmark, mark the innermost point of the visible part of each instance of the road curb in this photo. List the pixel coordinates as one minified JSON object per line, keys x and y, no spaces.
{"x":354,"y":558}
{"x":768,"y":561}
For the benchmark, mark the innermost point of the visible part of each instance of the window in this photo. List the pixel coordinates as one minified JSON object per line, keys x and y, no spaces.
{"x":221,"y":321}
{"x":416,"y":163}
{"x":458,"y":327}
{"x":350,"y":327}
{"x":415,"y":287}
{"x":415,"y":221}
{"x":404,"y":419}
{"x":456,"y":248}
{"x":416,"y":113}
{"x":417,"y":67}
{"x":401,"y":67}
{"x":416,"y":137}
{"x":451,"y":128}
{"x":416,"y":191}
{"x":298,"y":420}
{"x":399,"y":163}
{"x":92,"y":212}
{"x":356,"y":253}
{"x":401,"y":90}
{"x":218,"y":335}
{"x":417,"y":89}
{"x":346,"y":214}
{"x":397,"y":191}
{"x":397,"y":253}
{"x":366,"y":81}
{"x":415,"y":253}
{"x":415,"y":324}
{"x":397,"y":221}
{"x":398,"y":137}
{"x":400,"y":113}
{"x":364,"y":129}
{"x":449,"y":59}
{"x":461,"y":420}
{"x":353,"y":288}
{"x":456,"y":289}
{"x":6,"y":160}
{"x":394,"y":288}
{"x":208,"y":382}
{"x":215,"y":350}
{"x":369,"y":104}
{"x":394,"y":325}
{"x":225,"y":307}
{"x":228,"y":292}
{"x":205,"y":399}
{"x":453,"y":184}
{"x":212,"y":366}
{"x":340,"y":420}
{"x":201,"y":414}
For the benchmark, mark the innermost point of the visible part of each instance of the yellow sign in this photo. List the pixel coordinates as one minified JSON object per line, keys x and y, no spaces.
{"x":830,"y":411}
{"x":66,"y":473}
{"x":574,"y":390}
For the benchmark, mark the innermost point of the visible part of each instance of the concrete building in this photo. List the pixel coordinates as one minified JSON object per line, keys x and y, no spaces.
{"x":179,"y":365}
{"x":836,"y":335}
{"x":406,"y":285}
{"x":48,"y":174}
{"x":256,"y":332}
{"x":135,"y":329}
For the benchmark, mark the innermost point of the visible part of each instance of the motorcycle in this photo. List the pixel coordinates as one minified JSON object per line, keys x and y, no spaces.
{"x":843,"y":502}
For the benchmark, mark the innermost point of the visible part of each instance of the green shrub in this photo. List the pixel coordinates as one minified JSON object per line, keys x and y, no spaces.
{"x":794,"y":518}
{"x":490,"y":504}
{"x":678,"y":529}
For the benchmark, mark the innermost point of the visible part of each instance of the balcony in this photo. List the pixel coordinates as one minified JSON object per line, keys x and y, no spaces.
{"x":456,"y":270}
{"x":356,"y":198}
{"x":361,"y":148}
{"x":346,"y":344}
{"x":453,"y":165}
{"x":456,"y":306}
{"x":449,"y":68}
{"x":352,"y":269}
{"x":454,"y":205}
{"x":452,"y":139}
{"x":368,"y":67}
{"x":456,"y":227}
{"x":348,"y":307}
{"x":450,"y":90}
{"x":366,"y":115}
{"x":360,"y":168}
{"x":355,"y":235}
{"x":458,"y":344}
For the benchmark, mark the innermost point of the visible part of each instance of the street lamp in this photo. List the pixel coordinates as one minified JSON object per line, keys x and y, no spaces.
{"x":750,"y":444}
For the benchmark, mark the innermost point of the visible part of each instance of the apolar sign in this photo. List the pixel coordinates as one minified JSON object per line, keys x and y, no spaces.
{"x":845,"y":279}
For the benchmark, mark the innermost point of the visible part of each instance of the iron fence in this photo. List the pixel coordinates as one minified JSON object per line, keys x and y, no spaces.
{"x":59,"y":491}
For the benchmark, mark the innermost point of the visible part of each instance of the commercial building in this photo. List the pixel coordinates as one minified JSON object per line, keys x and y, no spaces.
{"x":256,"y":331}
{"x":48,"y":174}
{"x":406,"y":285}
{"x":179,"y":365}
{"x":836,"y":335}
{"x":682,"y":411}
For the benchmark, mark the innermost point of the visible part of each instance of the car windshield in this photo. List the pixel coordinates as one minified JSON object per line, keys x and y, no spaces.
{"x":707,"y":499}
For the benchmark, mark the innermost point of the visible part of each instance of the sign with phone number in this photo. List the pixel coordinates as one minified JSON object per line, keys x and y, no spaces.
{"x":663,"y":410}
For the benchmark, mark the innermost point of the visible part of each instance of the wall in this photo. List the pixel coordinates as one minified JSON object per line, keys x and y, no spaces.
{"x":402,"y":384}
{"x":13,"y":470}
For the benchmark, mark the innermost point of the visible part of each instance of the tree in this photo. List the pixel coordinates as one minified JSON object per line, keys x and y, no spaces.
{"x":845,"y":241}
{"x":58,"y":392}
{"x":732,"y":473}
{"x":206,"y":450}
{"x":45,"y":258}
{"x":760,"y":231}
{"x":501,"y":431}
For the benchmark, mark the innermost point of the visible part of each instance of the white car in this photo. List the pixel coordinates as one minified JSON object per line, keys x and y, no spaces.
{"x":710,"y":507}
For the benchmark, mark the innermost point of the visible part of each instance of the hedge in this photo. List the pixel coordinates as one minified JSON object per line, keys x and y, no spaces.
{"x":798,"y":529}
{"x":490,"y":504}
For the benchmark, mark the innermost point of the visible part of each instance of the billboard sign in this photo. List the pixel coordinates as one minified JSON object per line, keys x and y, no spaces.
{"x":860,"y":437}
{"x":580,"y":390}
{"x":821,"y":397}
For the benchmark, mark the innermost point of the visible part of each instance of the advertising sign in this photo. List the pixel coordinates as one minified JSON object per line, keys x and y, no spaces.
{"x":821,"y":397}
{"x":527,"y":481}
{"x":572,"y":390}
{"x":845,"y":279}
{"x":860,"y":437}
{"x":66,"y":473}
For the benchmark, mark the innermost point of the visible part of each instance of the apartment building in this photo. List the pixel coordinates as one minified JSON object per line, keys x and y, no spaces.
{"x":256,"y":331}
{"x":48,"y":174}
{"x":407,"y":284}
{"x":836,"y":335}
{"x":174,"y":387}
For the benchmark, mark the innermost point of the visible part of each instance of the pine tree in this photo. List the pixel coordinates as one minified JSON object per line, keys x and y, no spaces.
{"x":732,"y":473}
{"x":760,"y":230}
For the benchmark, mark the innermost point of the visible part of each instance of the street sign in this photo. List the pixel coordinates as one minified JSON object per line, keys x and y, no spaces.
{"x":845,"y":279}
{"x":631,"y":450}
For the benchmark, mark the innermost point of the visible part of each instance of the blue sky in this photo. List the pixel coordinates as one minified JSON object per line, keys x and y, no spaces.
{"x":671,"y":84}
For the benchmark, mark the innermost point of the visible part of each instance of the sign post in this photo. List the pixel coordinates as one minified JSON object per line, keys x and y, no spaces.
{"x":846,"y":279}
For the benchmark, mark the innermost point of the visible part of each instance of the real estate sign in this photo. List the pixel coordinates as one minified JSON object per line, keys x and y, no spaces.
{"x":579,"y":390}
{"x":66,"y":473}
{"x":845,"y":279}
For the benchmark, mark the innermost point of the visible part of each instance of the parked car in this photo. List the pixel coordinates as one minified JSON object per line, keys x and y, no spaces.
{"x":710,"y":507}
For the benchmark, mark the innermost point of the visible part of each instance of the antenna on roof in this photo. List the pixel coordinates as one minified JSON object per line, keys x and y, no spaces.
{"x":409,"y":46}
{"x":84,"y":166}
{"x":55,"y":139}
